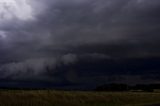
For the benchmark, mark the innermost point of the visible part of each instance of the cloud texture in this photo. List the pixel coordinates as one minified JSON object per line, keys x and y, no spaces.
{"x":51,"y":35}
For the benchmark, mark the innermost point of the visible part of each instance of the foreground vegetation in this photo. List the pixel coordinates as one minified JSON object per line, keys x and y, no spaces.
{"x":75,"y":98}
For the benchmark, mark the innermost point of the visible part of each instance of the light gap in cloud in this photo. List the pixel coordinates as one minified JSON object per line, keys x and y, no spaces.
{"x":15,"y":9}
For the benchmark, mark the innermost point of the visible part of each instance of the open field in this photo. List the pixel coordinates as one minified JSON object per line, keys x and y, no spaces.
{"x":75,"y":98}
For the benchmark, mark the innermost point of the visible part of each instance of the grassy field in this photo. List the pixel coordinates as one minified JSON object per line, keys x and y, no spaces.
{"x":69,"y":98}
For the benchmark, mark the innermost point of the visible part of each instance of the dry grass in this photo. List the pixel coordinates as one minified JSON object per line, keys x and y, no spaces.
{"x":66,"y":98}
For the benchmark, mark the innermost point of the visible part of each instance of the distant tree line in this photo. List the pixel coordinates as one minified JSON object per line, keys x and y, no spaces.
{"x":124,"y":87}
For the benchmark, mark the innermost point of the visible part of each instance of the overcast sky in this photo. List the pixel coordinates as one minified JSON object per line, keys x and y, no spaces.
{"x":79,"y":42}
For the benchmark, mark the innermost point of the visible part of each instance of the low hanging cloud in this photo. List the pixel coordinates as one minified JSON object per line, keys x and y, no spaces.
{"x":34,"y":68}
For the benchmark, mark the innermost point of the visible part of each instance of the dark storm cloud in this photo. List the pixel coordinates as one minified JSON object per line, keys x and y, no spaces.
{"x":132,"y":25}
{"x":77,"y":23}
{"x":78,"y":30}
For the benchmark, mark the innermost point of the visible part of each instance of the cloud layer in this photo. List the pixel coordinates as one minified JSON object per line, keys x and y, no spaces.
{"x":35,"y":35}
